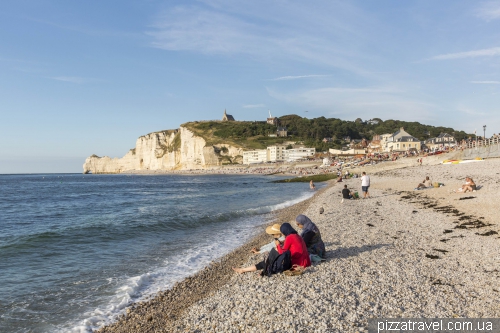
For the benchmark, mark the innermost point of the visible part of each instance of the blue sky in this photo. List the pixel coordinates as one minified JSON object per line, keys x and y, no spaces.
{"x":89,"y":77}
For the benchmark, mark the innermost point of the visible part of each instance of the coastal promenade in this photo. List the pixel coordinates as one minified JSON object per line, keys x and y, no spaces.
{"x":399,"y":254}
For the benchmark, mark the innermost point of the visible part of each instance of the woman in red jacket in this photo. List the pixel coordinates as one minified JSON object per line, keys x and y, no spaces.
{"x":295,"y":244}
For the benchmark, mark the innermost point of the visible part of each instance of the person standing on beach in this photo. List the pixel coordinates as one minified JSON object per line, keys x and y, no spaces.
{"x":365,"y":184}
{"x":311,"y":185}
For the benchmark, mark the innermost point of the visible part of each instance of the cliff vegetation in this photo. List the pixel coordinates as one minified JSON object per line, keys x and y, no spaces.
{"x":311,"y":132}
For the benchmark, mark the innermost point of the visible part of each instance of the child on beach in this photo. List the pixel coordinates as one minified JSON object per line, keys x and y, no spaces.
{"x":469,"y":185}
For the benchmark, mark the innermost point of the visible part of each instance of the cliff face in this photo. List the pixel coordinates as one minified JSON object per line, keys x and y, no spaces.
{"x":168,"y":150}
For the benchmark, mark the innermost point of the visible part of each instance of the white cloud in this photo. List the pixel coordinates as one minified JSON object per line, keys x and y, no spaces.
{"x":325,"y":34}
{"x":296,"y":77}
{"x":485,"y":82}
{"x":351,"y":103}
{"x":253,"y":106}
{"x":76,"y":79}
{"x":494,"y":51}
{"x":470,"y":111}
{"x":72,"y":79}
{"x":489,"y":10}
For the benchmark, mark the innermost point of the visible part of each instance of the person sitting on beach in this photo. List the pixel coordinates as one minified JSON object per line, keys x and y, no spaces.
{"x":311,"y":185}
{"x":274,"y":231}
{"x":312,"y":237}
{"x":425,"y":183}
{"x":469,"y":185}
{"x":339,"y":179}
{"x":295,"y":244}
{"x":346,"y":193}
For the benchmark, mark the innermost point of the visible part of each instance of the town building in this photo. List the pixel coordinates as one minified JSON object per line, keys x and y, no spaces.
{"x":440,"y":142}
{"x":402,"y":141}
{"x":255,"y":156}
{"x":347,"y":151}
{"x":374,"y":147}
{"x":282,"y":132}
{"x":296,"y":154}
{"x":276,"y":153}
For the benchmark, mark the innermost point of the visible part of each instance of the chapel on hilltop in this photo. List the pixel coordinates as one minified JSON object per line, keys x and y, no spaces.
{"x":272,"y":120}
{"x":227,"y":117}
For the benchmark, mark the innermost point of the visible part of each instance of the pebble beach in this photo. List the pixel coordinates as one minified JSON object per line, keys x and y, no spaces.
{"x":401,"y":253}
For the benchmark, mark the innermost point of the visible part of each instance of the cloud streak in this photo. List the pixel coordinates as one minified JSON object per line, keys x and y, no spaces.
{"x":370,"y":102}
{"x":71,"y":79}
{"x":489,"y":11}
{"x":491,"y":52}
{"x":282,"y":78}
{"x":276,"y":34}
{"x":253,"y":106}
{"x":485,"y":82}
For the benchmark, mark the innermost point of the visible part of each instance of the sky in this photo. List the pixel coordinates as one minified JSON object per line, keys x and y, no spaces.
{"x":89,"y":77}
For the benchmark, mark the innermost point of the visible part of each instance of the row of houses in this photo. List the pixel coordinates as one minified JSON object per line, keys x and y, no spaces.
{"x":399,"y":141}
{"x":277,"y":153}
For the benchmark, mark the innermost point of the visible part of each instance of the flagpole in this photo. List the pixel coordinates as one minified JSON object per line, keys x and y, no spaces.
{"x":476,"y":138}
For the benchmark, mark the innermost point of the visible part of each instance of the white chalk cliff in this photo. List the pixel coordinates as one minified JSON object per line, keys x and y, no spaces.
{"x":166,"y":150}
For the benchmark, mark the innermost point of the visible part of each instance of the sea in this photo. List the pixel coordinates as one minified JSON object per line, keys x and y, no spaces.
{"x":76,"y":250}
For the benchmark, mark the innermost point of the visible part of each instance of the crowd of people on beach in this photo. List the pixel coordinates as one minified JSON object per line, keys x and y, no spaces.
{"x":291,"y":253}
{"x":468,"y":186}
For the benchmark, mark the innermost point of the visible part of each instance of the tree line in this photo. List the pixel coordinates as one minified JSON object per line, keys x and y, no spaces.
{"x":312,"y":131}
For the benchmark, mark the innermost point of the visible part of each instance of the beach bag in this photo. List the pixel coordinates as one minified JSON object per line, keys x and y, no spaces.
{"x":277,"y":263}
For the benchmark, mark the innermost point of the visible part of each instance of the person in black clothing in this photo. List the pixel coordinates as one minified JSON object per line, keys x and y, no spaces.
{"x":346,"y":193}
{"x":311,"y":235}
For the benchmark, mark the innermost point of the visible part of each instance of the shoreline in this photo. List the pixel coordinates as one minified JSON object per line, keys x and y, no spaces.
{"x":163,"y":310}
{"x":190,"y":304}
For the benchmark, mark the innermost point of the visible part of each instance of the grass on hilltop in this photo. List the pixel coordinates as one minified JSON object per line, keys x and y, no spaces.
{"x":243,"y":134}
{"x":307,"y":179}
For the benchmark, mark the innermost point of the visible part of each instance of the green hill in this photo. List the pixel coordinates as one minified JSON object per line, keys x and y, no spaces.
{"x":254,"y":135}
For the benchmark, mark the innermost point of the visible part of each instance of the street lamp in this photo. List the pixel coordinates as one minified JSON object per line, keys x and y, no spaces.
{"x":484,"y":133}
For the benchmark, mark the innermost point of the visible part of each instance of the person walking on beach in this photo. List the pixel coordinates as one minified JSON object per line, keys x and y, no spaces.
{"x":365,"y":184}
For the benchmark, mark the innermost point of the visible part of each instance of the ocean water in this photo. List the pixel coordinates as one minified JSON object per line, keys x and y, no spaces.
{"x":76,"y":249}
